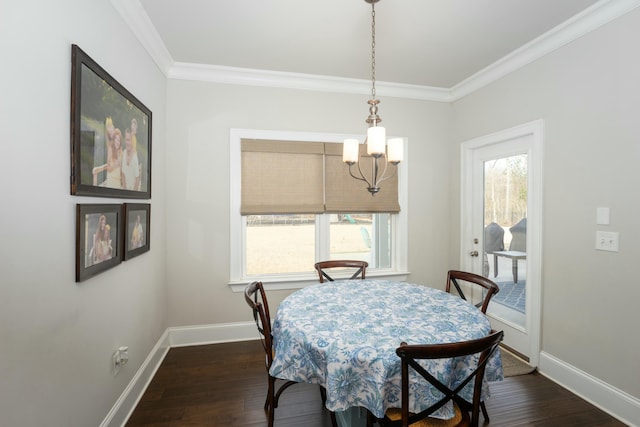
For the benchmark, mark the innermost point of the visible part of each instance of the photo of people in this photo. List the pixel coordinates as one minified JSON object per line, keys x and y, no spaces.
{"x":111,"y":135}
{"x":99,"y":241}
{"x":99,"y":238}
{"x":137,"y":226}
{"x":137,"y":233}
{"x":122,"y":168}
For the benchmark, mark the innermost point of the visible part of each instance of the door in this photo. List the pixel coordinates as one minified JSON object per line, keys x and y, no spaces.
{"x":501,"y":228}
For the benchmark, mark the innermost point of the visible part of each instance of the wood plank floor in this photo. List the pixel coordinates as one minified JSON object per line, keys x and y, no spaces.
{"x":225,"y":385}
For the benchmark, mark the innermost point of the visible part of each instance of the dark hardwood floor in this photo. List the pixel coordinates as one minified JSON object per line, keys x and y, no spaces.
{"x":225,"y":385}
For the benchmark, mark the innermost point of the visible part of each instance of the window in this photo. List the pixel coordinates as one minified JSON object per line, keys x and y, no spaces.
{"x":280,"y":244}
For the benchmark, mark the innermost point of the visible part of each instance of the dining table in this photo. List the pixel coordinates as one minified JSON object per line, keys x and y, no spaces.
{"x":343,"y":335}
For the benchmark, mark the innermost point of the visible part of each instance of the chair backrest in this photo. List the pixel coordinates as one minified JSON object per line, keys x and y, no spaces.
{"x":344,"y":265}
{"x":256,"y":298}
{"x":490,"y":288}
{"x":493,"y":238}
{"x":519,"y":236}
{"x":410,"y":354}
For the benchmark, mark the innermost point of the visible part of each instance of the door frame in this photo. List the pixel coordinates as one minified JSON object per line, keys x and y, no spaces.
{"x":535,"y":130}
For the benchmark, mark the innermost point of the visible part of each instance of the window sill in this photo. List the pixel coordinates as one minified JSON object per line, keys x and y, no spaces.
{"x":276,"y":283}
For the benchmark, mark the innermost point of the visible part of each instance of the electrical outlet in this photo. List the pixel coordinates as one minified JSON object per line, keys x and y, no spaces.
{"x":119,"y":359}
{"x":607,"y":241}
{"x":115,"y":362}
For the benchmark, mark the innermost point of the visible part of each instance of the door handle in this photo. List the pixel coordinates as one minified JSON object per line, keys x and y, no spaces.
{"x":473,"y":253}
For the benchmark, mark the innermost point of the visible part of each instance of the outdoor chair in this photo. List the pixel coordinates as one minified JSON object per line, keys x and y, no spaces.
{"x":493,"y":241}
{"x":519,"y":236}
{"x":341,"y":267}
{"x":517,"y":247}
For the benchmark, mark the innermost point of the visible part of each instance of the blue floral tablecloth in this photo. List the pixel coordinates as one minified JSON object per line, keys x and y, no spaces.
{"x":343,"y":336}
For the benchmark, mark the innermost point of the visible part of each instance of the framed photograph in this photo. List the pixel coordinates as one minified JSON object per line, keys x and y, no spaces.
{"x":98,"y":239}
{"x":137,"y":228}
{"x":110,"y":135}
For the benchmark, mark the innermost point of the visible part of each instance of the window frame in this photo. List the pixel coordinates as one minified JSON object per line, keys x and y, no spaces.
{"x":237,"y":222}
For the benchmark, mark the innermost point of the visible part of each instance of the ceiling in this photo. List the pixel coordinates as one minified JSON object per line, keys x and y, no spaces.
{"x":431,"y":43}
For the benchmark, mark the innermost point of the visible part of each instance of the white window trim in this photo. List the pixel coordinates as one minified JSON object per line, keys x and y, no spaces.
{"x":237,"y":222}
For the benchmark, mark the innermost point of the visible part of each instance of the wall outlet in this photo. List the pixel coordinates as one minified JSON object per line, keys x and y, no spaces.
{"x":119,"y":359}
{"x":607,"y":241}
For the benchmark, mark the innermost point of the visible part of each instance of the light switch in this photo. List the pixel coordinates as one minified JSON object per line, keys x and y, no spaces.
{"x":602,"y":216}
{"x":607,"y":241}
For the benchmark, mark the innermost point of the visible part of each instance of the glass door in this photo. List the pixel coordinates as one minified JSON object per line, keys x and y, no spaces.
{"x":500,"y":230}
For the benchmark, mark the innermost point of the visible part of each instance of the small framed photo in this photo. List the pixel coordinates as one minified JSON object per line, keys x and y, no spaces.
{"x":110,"y":134}
{"x":98,"y":239}
{"x":137,"y":219}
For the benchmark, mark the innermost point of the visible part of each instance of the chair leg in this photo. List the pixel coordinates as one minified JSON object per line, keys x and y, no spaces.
{"x":323,"y":394}
{"x":270,"y":401}
{"x":484,"y":411}
{"x":271,"y":415}
{"x":270,"y":393}
{"x":334,"y":422}
{"x":371,"y":420}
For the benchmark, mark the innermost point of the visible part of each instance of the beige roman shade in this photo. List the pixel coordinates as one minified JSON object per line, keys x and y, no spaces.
{"x":307,"y":177}
{"x":282,"y":177}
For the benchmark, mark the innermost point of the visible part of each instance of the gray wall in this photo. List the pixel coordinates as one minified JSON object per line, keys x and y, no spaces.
{"x":588,"y":94}
{"x":57,"y":336}
{"x":199,"y":118}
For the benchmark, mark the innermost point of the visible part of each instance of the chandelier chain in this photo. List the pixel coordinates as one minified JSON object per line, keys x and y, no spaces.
{"x":373,"y":50}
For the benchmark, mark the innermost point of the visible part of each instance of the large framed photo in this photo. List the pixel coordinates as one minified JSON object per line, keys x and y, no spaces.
{"x":110,"y":134}
{"x":137,"y":219}
{"x":98,"y":239}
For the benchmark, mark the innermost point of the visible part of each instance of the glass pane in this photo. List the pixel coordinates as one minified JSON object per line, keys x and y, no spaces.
{"x":382,"y":253}
{"x":350,"y":236}
{"x":361,"y":236}
{"x":280,"y":244}
{"x":505,"y":226}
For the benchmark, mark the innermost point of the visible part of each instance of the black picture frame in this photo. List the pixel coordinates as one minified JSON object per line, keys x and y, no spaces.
{"x":137,"y":229}
{"x":103,"y":115}
{"x":98,"y":238}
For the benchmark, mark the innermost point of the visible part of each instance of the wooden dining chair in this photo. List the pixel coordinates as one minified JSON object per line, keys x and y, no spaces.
{"x":256,"y":298}
{"x":455,"y":277}
{"x":342,"y":266}
{"x":466,"y":413}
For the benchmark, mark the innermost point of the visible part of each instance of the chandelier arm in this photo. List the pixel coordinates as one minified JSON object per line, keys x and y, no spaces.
{"x":361,"y":177}
{"x":378,"y":180}
{"x":383,"y":177}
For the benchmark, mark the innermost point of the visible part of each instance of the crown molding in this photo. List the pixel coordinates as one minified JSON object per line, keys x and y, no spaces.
{"x":140,"y":24}
{"x":588,"y":20}
{"x":313,"y":82}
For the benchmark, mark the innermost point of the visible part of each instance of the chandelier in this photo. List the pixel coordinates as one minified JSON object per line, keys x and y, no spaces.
{"x":378,"y":148}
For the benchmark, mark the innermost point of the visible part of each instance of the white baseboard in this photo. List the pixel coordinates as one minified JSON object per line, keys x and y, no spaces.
{"x":212,"y":334}
{"x":173,"y":337}
{"x":617,"y":403}
{"x":611,"y":400}
{"x":124,"y":406}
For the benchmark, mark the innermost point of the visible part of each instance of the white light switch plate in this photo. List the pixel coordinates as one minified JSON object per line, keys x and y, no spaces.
{"x":602,"y":216}
{"x":607,"y":241}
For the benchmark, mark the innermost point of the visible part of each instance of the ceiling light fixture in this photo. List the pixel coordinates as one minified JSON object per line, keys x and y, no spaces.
{"x":377,"y":146}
